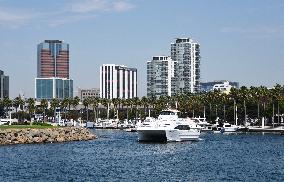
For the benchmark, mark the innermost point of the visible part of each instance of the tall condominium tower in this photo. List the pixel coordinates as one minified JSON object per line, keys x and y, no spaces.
{"x":186,"y":53}
{"x":160,"y":76}
{"x":53,"y":71}
{"x":118,"y":81}
{"x":4,"y":85}
{"x":53,"y":59}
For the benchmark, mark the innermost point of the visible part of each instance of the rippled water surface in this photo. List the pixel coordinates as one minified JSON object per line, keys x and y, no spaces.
{"x":117,"y":156}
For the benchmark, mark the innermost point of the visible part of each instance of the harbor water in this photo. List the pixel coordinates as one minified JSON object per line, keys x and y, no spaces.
{"x":117,"y":156}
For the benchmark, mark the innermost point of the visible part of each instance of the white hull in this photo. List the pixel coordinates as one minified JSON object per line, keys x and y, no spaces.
{"x":167,"y":135}
{"x":231,"y":129}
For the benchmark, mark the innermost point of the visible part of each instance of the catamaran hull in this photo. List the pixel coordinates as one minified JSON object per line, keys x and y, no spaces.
{"x":168,"y":135}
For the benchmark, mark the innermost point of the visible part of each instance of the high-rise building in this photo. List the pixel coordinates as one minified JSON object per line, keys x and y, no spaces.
{"x":160,"y":76}
{"x":53,"y":59}
{"x":118,"y":81}
{"x":49,"y":88}
{"x":4,"y":85}
{"x":186,"y":53}
{"x":53,"y":71}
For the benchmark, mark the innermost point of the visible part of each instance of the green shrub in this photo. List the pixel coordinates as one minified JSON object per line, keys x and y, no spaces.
{"x":41,"y":124}
{"x":21,"y":123}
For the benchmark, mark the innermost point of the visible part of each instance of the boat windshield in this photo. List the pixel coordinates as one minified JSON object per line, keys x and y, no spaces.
{"x":167,"y":113}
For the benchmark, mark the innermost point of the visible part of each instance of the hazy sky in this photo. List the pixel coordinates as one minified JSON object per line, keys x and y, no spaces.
{"x":241,"y":40}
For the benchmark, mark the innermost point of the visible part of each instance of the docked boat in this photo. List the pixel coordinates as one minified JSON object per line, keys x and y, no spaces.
{"x":229,"y":128}
{"x":169,"y":127}
{"x":205,"y":126}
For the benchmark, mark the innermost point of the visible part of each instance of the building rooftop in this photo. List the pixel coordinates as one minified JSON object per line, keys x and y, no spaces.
{"x":53,"y":41}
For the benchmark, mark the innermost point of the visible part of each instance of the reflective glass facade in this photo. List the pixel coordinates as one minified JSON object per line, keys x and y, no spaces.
{"x":53,"y":59}
{"x":4,"y":85}
{"x":49,"y":88}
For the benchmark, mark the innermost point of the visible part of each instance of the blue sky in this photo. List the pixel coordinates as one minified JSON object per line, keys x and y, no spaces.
{"x":240,"y":40}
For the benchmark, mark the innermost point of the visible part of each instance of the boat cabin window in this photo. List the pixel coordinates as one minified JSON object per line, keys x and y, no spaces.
{"x":167,"y":113}
{"x":182,"y":127}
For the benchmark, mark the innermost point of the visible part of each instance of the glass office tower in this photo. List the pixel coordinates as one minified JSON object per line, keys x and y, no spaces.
{"x":49,"y":88}
{"x":4,"y":85}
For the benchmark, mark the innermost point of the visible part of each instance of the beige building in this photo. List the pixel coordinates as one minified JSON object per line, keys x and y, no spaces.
{"x":84,"y":93}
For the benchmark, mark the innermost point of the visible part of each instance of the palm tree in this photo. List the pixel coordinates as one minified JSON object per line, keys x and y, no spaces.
{"x":31,"y":106}
{"x":145,"y":103}
{"x":225,"y":101}
{"x":75,"y":102}
{"x":152,"y":101}
{"x":95,"y":103}
{"x":18,"y":102}
{"x":245,"y":96}
{"x":86,"y":103}
{"x":128,"y":102}
{"x":44,"y":105}
{"x":63,"y":105}
{"x":209,"y":98}
{"x":136,"y":103}
{"x":7,"y":104}
{"x":260,"y":96}
{"x":115,"y":102}
{"x":276,"y":94}
{"x":54,"y":103}
{"x":235,"y":96}
{"x":106,"y":103}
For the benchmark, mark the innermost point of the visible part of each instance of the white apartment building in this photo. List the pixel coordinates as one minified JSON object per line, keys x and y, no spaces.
{"x":160,"y":76}
{"x":118,"y":81}
{"x":186,"y":53}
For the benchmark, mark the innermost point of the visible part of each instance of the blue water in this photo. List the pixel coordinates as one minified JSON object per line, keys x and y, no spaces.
{"x":117,"y":156}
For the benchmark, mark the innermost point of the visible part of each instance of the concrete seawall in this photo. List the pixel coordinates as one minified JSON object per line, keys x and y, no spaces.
{"x":50,"y":135}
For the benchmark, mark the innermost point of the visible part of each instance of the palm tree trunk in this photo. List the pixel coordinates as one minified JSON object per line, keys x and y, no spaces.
{"x":273,"y":115}
{"x":278,"y":118}
{"x":204,"y":110}
{"x":216,"y":111}
{"x":234,"y":110}
{"x":210,"y":110}
{"x":224,"y":113}
{"x":258,"y":110}
{"x":245,"y":108}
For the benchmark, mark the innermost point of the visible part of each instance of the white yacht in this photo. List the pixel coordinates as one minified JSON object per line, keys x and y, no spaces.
{"x":205,"y":126}
{"x":229,"y":128}
{"x":169,"y":127}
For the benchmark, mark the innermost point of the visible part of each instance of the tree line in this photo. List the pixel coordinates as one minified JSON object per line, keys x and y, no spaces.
{"x":241,"y":104}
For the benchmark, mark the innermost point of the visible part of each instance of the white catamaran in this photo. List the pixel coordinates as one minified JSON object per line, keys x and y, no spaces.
{"x":169,"y":127}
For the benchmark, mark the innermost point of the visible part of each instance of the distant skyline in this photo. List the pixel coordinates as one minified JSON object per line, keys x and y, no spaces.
{"x":239,"y":40}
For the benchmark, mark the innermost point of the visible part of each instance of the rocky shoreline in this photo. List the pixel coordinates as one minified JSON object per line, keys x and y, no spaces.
{"x":49,"y":135}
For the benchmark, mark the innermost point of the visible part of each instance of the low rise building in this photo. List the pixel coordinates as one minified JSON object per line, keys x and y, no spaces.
{"x":85,"y":93}
{"x":221,"y":85}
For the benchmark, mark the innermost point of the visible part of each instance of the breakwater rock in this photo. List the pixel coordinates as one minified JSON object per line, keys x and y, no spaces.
{"x":50,"y":135}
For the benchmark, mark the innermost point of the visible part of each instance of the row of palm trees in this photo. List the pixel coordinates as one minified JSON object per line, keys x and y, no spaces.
{"x":240,"y":104}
